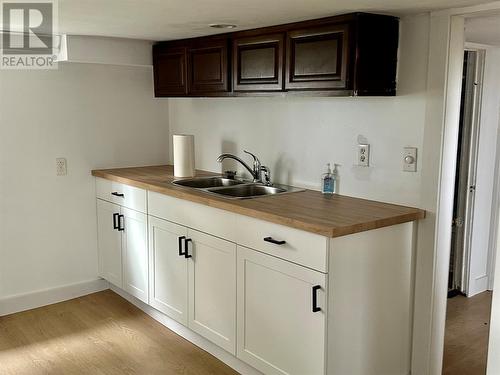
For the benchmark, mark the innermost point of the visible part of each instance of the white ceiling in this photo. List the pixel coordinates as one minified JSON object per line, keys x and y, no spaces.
{"x":174,"y":19}
{"x":484,"y":30}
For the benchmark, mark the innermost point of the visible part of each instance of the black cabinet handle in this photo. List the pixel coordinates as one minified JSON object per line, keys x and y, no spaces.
{"x":115,"y":221}
{"x":186,"y":248}
{"x":116,"y":194}
{"x":315,"y":307}
{"x":180,"y":246}
{"x":121,"y":223}
{"x":272,"y":240}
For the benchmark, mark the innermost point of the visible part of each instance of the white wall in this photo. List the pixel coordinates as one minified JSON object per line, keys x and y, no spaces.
{"x":297,"y":136}
{"x":94,"y":115}
{"x":494,"y":338}
{"x":490,"y":110}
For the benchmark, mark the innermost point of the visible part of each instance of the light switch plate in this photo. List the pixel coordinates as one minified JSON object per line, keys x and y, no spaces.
{"x":410,"y":159}
{"x":364,"y":155}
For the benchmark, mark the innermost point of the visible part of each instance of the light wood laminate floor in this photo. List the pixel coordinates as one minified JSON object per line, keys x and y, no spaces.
{"x":466,"y":338}
{"x":97,"y":334}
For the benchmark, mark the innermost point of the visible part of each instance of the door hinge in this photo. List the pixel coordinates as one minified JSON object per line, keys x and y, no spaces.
{"x":457,"y":222}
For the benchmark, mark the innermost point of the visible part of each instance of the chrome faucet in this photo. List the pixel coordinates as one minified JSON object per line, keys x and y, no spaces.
{"x":256,"y":169}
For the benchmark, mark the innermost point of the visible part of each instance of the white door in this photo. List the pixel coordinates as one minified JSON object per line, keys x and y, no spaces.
{"x":281,"y":315}
{"x":212,"y":288}
{"x":109,"y":242}
{"x":134,"y":226}
{"x":168,"y":269}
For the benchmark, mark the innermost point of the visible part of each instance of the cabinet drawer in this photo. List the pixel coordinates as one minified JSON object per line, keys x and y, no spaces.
{"x":124,"y":195}
{"x":297,"y":246}
{"x":206,"y":219}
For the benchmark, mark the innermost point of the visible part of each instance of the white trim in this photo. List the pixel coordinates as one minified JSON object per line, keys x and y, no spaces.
{"x":189,"y":335}
{"x":470,"y":10}
{"x":430,"y":311}
{"x":32,"y":300}
{"x":478,"y":46}
{"x":495,"y":213}
{"x":446,"y":189}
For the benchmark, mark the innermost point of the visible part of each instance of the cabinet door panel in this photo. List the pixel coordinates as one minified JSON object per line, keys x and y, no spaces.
{"x":208,"y":66}
{"x":109,"y":242}
{"x":170,"y":71}
{"x":168,"y":275}
{"x":317,"y":58}
{"x":212,"y":289}
{"x":135,"y":253}
{"x":278,"y":332}
{"x":258,"y":63}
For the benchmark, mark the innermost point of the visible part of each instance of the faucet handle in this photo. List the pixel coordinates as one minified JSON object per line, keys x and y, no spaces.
{"x":267,"y":175}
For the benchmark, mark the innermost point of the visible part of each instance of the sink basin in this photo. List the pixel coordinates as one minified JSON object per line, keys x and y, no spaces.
{"x":248,"y":191}
{"x":207,"y":182}
{"x":233,"y":189}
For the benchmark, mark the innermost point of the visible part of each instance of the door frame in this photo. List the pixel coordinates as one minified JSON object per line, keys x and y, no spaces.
{"x":446,"y":46}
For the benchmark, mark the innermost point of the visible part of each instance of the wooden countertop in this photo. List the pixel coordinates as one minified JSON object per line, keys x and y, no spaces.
{"x":331,"y":216}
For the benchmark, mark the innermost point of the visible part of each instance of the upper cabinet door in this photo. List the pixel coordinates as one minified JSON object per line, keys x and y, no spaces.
{"x":258,"y":63}
{"x":208,"y":66}
{"x":317,"y":58}
{"x":170,"y":71}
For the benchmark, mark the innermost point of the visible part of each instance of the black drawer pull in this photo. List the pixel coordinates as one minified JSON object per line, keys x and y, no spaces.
{"x":121,"y":223}
{"x":272,"y":240}
{"x":116,"y":194}
{"x":315,"y":307}
{"x":181,"y":253}
{"x":186,"y":248}
{"x":115,"y":221}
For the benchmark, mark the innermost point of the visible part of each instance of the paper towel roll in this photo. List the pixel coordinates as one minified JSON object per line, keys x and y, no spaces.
{"x":183,"y":155}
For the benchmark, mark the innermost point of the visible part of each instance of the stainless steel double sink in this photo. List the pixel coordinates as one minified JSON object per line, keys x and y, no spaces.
{"x":234,"y":189}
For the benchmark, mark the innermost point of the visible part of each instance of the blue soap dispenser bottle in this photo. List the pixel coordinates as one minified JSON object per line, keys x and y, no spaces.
{"x":328,"y":181}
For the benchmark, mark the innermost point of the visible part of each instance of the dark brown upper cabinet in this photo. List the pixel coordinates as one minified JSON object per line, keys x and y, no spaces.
{"x":375,"y":51}
{"x":209,"y":66}
{"x":258,"y":63}
{"x":352,"y":54}
{"x":170,"y":74}
{"x":317,"y":58}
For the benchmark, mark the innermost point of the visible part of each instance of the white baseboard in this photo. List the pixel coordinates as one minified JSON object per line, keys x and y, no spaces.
{"x":189,"y":335}
{"x":28,"y":301}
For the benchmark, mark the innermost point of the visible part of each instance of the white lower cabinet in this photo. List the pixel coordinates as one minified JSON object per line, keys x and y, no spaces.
{"x":168,"y":284}
{"x":261,"y":293}
{"x":281,"y":315}
{"x":193,"y":280}
{"x":135,"y":253}
{"x":109,"y":242}
{"x":212,"y":289}
{"x":123,"y":249}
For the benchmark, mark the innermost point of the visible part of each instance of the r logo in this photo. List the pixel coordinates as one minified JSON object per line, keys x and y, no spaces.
{"x":28,"y":28}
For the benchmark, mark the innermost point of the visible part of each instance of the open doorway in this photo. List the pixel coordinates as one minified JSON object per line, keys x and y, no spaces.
{"x":473,"y":245}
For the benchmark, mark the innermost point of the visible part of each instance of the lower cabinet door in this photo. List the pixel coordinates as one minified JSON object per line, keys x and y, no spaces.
{"x":212,"y":288}
{"x":134,"y":226}
{"x":109,"y":241}
{"x":281,"y":315}
{"x":168,"y":269}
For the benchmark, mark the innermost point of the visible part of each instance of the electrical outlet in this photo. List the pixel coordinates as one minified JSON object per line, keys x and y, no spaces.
{"x":61,"y":167}
{"x":364,"y":155}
